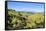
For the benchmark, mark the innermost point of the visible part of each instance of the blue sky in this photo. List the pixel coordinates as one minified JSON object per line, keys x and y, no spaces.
{"x":26,"y":7}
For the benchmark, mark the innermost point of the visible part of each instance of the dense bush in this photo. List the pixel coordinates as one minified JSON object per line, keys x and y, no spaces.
{"x":18,"y":20}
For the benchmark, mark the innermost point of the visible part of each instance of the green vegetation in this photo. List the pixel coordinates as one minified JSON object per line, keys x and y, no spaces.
{"x":23,"y":20}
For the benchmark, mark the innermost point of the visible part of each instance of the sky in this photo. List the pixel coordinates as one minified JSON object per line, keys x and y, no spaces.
{"x":26,"y":7}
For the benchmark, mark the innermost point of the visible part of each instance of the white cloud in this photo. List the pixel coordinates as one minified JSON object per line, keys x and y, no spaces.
{"x":29,"y":9}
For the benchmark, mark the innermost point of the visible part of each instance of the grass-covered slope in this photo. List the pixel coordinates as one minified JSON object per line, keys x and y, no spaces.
{"x":23,"y":20}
